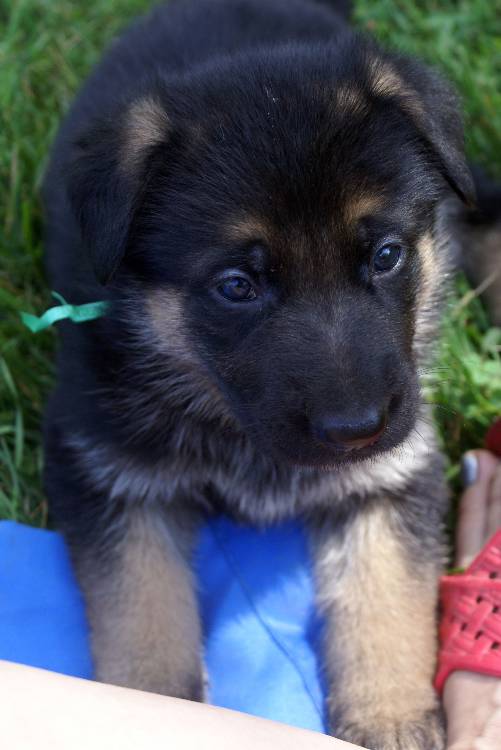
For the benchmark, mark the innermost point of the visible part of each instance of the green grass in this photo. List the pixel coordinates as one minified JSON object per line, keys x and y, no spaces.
{"x":46,"y":49}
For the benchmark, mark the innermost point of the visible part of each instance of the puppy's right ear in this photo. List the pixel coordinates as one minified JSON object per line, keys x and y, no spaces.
{"x":107,"y":175}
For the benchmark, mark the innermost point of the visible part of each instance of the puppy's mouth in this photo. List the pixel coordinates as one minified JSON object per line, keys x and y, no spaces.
{"x":299,"y":452}
{"x":337,"y":458}
{"x":300,"y":446}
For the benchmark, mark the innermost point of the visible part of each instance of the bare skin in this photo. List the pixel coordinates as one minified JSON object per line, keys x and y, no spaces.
{"x":47,"y":711}
{"x":473,"y":702}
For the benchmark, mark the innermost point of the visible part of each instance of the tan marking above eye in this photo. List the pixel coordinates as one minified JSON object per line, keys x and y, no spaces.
{"x":147,"y":125}
{"x":361,"y":204}
{"x":246,"y":229}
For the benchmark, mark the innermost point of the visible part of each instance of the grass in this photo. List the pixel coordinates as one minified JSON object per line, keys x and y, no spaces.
{"x":46,"y":49}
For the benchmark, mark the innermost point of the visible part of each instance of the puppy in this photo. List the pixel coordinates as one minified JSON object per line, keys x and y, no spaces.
{"x":262,"y":197}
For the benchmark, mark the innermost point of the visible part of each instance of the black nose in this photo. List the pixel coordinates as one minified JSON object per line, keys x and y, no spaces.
{"x":351,"y":432}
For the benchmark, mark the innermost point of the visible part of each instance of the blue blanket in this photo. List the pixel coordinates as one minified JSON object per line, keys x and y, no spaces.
{"x":256,"y":600}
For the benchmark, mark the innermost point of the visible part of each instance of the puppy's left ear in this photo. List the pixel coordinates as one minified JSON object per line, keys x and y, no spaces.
{"x":108,"y":171}
{"x":435,"y":110}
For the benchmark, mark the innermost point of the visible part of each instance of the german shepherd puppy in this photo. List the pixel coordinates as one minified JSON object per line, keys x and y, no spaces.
{"x":262,"y":197}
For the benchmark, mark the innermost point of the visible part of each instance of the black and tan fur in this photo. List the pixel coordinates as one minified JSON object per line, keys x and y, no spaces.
{"x":262,"y":136}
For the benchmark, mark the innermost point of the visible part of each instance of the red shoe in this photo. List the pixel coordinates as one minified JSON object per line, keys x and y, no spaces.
{"x":470,"y":631}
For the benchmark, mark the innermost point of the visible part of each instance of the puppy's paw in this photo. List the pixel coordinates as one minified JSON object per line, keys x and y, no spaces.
{"x":374,"y":733}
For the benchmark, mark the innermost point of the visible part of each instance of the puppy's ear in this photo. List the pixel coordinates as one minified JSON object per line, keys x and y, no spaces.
{"x":434,"y":109}
{"x":106,"y":179}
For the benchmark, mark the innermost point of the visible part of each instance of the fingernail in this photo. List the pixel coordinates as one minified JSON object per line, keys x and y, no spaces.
{"x":469,"y":469}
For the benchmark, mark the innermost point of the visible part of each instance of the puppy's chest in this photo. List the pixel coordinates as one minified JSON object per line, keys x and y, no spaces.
{"x":251,"y":490}
{"x":239,"y":484}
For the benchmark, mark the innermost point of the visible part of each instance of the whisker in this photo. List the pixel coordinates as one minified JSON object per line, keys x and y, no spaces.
{"x":422,"y":438}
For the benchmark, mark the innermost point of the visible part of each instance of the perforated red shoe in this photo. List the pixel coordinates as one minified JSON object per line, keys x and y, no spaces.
{"x":470,"y":631}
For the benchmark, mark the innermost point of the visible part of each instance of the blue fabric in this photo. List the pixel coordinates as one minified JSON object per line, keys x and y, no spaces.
{"x":42,"y":619}
{"x":256,"y":601}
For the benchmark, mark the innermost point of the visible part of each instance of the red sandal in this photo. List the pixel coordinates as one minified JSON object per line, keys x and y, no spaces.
{"x":470,"y":631}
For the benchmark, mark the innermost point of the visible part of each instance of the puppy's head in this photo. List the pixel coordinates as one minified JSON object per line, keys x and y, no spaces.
{"x":280,"y":216}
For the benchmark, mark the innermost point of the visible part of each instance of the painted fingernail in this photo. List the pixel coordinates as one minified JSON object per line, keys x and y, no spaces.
{"x":469,"y":469}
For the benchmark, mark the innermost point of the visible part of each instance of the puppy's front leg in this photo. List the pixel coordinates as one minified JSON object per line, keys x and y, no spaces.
{"x":378,"y":589}
{"x":141,"y":606}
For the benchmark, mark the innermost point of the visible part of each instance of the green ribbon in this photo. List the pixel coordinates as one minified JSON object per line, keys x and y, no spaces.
{"x":76,"y":313}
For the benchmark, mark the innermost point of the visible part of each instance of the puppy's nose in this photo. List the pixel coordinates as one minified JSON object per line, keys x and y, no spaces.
{"x":351,"y":433}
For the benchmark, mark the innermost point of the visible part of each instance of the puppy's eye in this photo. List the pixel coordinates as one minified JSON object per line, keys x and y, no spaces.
{"x":386,"y":257}
{"x":237,"y":289}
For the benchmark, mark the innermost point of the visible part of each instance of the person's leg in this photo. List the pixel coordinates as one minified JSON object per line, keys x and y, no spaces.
{"x":472,"y":701}
{"x":47,"y":711}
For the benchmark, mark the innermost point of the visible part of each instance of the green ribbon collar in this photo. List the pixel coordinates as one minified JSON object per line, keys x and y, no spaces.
{"x":76,"y":313}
